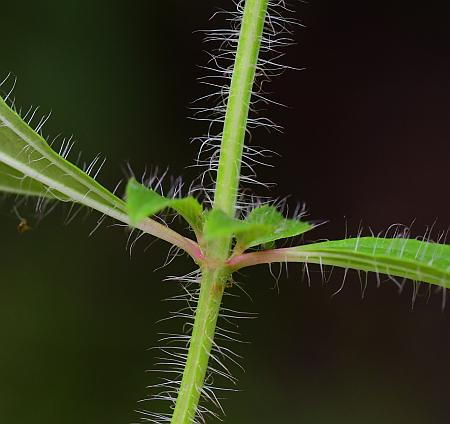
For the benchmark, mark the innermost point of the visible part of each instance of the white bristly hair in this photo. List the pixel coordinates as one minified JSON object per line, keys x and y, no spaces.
{"x":211,"y":107}
{"x":62,"y":145}
{"x":174,"y":347}
{"x":173,"y":350}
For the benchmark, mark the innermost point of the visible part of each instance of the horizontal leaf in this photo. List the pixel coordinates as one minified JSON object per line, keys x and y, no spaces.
{"x":276,"y":227}
{"x":219,"y":225}
{"x":143,"y":202}
{"x":263,"y":225}
{"x":405,"y":258}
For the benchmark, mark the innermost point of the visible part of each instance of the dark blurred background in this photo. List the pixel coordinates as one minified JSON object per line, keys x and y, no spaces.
{"x":366,"y":139}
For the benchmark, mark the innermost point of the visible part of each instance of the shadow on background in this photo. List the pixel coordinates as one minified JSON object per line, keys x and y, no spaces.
{"x":366,"y":139}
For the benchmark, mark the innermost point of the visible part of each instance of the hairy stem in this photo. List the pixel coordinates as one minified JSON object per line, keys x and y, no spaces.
{"x":228,"y":174}
{"x":211,"y":291}
{"x":227,"y":184}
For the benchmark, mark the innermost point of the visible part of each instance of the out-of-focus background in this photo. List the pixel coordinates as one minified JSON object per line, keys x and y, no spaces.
{"x":366,"y":139}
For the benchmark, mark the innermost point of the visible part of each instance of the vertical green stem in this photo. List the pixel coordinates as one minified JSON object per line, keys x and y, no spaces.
{"x":211,"y":291}
{"x":228,"y":174}
{"x":227,"y":185}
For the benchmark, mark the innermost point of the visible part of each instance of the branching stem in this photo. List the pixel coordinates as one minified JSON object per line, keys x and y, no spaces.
{"x":227,"y":184}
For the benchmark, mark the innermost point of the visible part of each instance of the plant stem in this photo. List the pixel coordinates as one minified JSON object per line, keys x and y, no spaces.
{"x":211,"y":291}
{"x":228,"y":175}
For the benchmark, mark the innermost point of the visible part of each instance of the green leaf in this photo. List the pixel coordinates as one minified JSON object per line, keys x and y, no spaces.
{"x":276,"y":227}
{"x":413,"y":259}
{"x":12,"y":181}
{"x":405,"y":258}
{"x":25,"y":151}
{"x":143,"y":202}
{"x":263,"y":225}
{"x":43,"y":172}
{"x":219,"y":225}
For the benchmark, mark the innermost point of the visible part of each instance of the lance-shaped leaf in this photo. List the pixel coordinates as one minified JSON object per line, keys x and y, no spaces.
{"x":398,"y":257}
{"x":262,"y":225}
{"x":143,"y":202}
{"x":27,"y":156}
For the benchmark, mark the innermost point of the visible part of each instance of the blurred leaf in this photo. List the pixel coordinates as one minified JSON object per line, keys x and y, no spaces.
{"x":143,"y":202}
